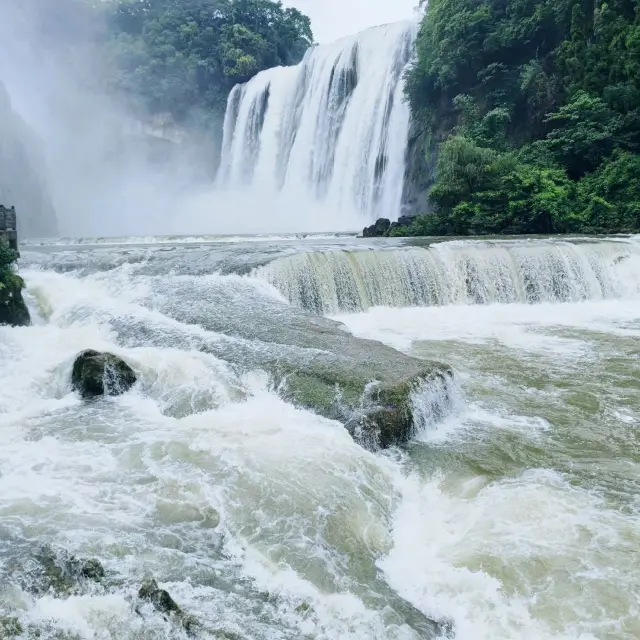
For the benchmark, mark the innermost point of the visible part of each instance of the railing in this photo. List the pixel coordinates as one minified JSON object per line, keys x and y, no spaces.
{"x":8,"y":226}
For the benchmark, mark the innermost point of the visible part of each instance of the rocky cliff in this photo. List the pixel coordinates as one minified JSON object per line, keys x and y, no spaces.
{"x":22,"y":174}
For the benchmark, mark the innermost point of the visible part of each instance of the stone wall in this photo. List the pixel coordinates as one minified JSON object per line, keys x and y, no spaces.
{"x":8,"y":226}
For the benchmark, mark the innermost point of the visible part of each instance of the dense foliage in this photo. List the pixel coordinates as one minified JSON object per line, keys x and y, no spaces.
{"x":176,"y":56}
{"x":535,"y":107}
{"x":8,"y":278}
{"x":7,"y":258}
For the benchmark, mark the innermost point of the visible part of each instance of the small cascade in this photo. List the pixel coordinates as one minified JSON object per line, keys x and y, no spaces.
{"x":332,"y":130}
{"x":464,"y":272}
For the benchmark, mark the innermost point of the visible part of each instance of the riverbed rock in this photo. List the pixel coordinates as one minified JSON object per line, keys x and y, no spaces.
{"x":13,"y":309}
{"x":166,"y":605}
{"x":59,"y":571}
{"x":313,"y":361}
{"x":96,"y":374}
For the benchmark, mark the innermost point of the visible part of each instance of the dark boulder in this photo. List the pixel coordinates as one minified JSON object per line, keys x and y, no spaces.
{"x":159,"y":598}
{"x":378,"y":229}
{"x":58,"y":571}
{"x":166,"y":605}
{"x":13,"y":310}
{"x":97,"y":374}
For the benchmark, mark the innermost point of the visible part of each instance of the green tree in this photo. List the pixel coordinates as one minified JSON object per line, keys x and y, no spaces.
{"x":532,"y":108}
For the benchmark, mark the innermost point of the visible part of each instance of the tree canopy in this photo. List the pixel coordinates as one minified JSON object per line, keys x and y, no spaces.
{"x":170,"y":56}
{"x":534,"y":106}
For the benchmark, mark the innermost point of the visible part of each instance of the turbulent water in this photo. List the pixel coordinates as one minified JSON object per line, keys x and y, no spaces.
{"x":332,"y":130}
{"x":458,"y":273}
{"x":515,"y":517}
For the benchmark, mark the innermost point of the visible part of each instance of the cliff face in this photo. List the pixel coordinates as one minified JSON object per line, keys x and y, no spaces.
{"x":22,"y":174}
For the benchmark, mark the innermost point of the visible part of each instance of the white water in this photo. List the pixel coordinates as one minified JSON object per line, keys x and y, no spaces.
{"x":517,"y":517}
{"x":459,"y":273}
{"x":331,"y":131}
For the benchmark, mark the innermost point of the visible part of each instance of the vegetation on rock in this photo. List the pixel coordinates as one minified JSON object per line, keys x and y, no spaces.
{"x":185,"y":57}
{"x":13,"y":310}
{"x":533,"y":107}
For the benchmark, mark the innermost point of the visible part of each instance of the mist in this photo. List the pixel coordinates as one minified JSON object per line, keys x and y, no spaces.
{"x":102,"y":175}
{"x":112,"y":172}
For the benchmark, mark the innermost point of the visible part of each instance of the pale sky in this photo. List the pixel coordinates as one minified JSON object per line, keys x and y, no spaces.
{"x":333,"y":19}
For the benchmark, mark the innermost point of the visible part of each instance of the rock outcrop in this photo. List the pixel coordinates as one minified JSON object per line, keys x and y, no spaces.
{"x":59,"y":572}
{"x":101,"y":374}
{"x":166,"y":605}
{"x":22,"y":173}
{"x":314,"y":361}
{"x":384,"y":227}
{"x":378,"y":229}
{"x":13,"y":310}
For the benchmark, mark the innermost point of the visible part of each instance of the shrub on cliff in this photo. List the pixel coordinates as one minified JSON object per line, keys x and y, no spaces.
{"x":533,"y":107}
{"x":13,"y":310}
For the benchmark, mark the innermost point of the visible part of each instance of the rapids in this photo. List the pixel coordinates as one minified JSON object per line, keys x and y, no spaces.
{"x":515,"y":515}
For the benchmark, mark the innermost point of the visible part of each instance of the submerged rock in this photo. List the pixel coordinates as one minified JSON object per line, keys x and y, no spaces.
{"x":313,"y":361}
{"x":165,"y":604}
{"x":13,"y":309}
{"x":96,"y":374}
{"x":59,"y":571}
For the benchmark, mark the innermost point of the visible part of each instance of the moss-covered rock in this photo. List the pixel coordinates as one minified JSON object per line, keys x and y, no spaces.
{"x":97,"y":374}
{"x":57,"y":571}
{"x":313,"y":361}
{"x":13,"y":309}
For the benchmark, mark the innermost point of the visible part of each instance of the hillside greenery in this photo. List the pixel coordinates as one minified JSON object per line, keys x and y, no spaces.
{"x":175,"y":56}
{"x":534,"y":109}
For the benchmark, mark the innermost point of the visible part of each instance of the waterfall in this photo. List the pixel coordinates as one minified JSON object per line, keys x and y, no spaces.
{"x":460,"y":272}
{"x":331,"y":130}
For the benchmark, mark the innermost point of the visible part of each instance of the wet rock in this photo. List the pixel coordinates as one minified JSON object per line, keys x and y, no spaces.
{"x":60,"y":572}
{"x":159,"y":598}
{"x":92,"y":570}
{"x":96,"y":374}
{"x":313,"y":361}
{"x":13,"y":309}
{"x":166,"y":605}
{"x":378,"y":229}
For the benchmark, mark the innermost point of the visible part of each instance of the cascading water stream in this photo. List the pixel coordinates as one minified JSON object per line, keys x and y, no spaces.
{"x":458,"y":273}
{"x":333,"y":129}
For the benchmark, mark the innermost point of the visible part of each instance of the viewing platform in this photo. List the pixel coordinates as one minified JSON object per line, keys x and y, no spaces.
{"x":8,"y":226}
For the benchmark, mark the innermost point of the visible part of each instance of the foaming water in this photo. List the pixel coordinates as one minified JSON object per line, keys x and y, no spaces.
{"x":332,"y":130}
{"x":462,"y":272}
{"x":519,"y":516}
{"x":513,"y":514}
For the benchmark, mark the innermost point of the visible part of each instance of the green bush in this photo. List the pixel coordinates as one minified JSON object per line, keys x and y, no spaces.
{"x":534,"y":108}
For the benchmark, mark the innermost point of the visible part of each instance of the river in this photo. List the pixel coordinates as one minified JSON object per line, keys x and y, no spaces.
{"x":514,"y":516}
